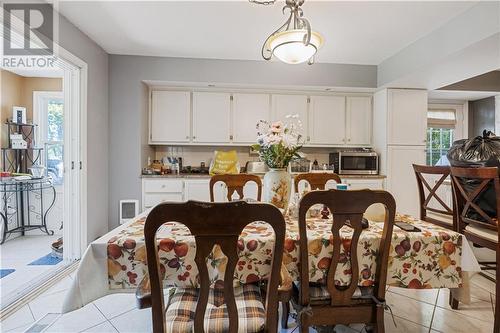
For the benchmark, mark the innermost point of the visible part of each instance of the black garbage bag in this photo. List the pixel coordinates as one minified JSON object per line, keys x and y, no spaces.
{"x":481,"y":151}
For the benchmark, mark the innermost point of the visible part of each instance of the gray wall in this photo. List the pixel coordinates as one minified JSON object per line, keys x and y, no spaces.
{"x":481,"y":116}
{"x":128,"y":101}
{"x":97,"y":162}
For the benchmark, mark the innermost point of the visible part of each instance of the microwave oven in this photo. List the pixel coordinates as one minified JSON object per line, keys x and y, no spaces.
{"x":355,"y":162}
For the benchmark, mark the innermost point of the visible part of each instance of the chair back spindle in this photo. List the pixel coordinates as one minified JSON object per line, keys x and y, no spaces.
{"x":317,"y":181}
{"x":235,"y":183}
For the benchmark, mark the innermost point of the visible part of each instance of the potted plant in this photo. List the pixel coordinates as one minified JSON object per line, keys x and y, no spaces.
{"x":278,"y":143}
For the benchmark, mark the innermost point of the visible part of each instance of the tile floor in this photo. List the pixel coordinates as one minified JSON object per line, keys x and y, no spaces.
{"x":414,"y":311}
{"x":17,"y":254}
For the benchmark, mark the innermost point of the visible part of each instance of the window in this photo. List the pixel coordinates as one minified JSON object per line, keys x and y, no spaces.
{"x":49,"y":116}
{"x":440,"y":135}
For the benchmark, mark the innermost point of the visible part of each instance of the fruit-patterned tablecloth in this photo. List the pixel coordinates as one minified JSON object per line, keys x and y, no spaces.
{"x":432,"y":258}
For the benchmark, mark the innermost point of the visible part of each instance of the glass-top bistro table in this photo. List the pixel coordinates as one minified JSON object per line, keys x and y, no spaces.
{"x":23,"y":205}
{"x":116,"y":262}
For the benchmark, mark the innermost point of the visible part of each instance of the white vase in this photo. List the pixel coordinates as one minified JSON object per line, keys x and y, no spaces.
{"x":277,"y":187}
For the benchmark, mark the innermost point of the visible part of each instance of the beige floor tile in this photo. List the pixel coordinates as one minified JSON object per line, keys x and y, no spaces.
{"x":424,"y":295}
{"x":480,"y":293}
{"x":410,"y":309}
{"x":478,"y":308}
{"x":115,"y":304}
{"x":403,"y":325}
{"x":18,"y":319}
{"x":44,"y":304}
{"x":133,"y":321}
{"x":105,"y":327}
{"x":484,"y":283}
{"x":448,"y":321}
{"x":78,"y":320}
{"x":21,"y":329}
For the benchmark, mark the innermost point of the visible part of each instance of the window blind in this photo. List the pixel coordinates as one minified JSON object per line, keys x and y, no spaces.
{"x":441,"y":118}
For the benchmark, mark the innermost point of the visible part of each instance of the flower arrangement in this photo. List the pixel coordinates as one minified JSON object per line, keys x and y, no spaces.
{"x":279,"y":142}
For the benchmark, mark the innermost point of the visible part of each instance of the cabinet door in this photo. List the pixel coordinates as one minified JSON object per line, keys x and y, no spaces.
{"x":196,"y":189}
{"x":248,"y":109}
{"x":407,"y":117}
{"x":361,"y":184}
{"x":211,"y":112}
{"x":152,"y":199}
{"x":169,"y":120}
{"x":359,"y":120}
{"x":401,"y":182}
{"x":327,"y":120}
{"x":284,"y":105}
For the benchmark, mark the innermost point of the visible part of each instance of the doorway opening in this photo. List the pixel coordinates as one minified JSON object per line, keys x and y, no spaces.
{"x":42,"y":191}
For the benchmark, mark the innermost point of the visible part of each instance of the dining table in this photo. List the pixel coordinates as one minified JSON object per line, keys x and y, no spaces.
{"x":432,"y":257}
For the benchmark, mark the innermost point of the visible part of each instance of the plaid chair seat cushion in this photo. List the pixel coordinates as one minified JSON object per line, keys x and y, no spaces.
{"x":182,"y":306}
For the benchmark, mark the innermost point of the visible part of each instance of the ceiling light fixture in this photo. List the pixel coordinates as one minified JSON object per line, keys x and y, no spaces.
{"x":263,"y":2}
{"x":294,"y":42}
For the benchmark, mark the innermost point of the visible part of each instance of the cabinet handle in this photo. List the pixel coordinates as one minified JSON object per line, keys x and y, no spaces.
{"x":230,"y":137}
{"x":349,"y":140}
{"x":187,"y":136}
{"x":194,"y":137}
{"x":308,"y":138}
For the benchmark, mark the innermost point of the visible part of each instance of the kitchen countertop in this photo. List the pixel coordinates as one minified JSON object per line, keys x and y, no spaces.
{"x":205,"y":176}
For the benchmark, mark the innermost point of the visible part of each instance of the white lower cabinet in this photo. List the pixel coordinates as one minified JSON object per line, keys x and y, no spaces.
{"x":196,"y":189}
{"x":364,"y":183}
{"x":155,"y":191}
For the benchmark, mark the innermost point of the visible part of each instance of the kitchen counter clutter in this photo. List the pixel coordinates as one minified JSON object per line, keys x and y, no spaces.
{"x":202,"y":176}
{"x":183,"y":187}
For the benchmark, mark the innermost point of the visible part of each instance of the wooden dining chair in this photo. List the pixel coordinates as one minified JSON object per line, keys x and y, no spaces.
{"x":473,"y":222}
{"x":317,"y":181}
{"x":235,"y":183}
{"x":330,"y":304}
{"x":209,"y":309}
{"x":428,"y":193}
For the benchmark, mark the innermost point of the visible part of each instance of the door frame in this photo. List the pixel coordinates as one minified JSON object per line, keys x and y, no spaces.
{"x":75,"y":158}
{"x":75,"y":77}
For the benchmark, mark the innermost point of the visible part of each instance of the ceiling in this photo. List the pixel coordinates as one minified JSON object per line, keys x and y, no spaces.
{"x":355,"y":32}
{"x":460,"y":95}
{"x":39,"y":72}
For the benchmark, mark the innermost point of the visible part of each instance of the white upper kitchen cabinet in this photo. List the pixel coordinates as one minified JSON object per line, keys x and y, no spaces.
{"x":407,"y":117}
{"x":401,"y":181}
{"x":327,"y":120}
{"x":284,"y":105}
{"x":248,"y":109}
{"x":211,"y":117}
{"x":169,"y":119}
{"x":359,"y":120}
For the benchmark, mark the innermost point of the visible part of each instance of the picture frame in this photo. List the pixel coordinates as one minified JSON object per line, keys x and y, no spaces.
{"x":19,"y":114}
